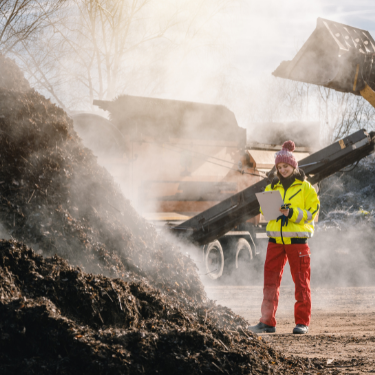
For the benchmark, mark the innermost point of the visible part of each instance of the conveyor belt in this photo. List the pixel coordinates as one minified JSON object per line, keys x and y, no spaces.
{"x":223,"y":217}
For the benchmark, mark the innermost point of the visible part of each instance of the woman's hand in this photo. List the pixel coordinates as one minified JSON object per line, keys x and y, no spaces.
{"x":285,"y":212}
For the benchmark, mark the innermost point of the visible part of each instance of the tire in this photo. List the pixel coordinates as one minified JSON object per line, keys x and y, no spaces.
{"x":244,"y":255}
{"x":214,"y":260}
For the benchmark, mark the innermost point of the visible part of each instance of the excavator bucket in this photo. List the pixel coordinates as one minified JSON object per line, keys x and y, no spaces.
{"x":336,"y":56}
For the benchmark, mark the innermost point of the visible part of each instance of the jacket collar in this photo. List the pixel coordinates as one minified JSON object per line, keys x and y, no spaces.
{"x":296,"y":182}
{"x":299,"y":178}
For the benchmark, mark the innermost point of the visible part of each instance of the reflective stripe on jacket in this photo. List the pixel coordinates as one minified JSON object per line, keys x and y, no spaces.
{"x":305,"y":203}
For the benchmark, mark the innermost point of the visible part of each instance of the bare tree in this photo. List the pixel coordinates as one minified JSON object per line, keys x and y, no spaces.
{"x":21,"y":19}
{"x":343,"y":113}
{"x":101,"y":48}
{"x":339,"y":114}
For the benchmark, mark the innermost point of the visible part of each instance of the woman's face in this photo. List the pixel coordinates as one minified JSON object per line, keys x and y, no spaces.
{"x":285,"y":169}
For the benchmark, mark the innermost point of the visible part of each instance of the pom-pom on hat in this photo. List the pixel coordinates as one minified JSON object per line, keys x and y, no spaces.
{"x":286,"y":155}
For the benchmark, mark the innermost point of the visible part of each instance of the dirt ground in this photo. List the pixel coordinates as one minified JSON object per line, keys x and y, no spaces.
{"x":342,"y":329}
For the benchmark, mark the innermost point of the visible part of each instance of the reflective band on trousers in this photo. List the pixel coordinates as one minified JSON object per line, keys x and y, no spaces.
{"x":300,"y":216}
{"x":289,"y":234}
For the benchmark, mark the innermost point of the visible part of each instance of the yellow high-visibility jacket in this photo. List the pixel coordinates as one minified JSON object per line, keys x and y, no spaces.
{"x":305,"y":204}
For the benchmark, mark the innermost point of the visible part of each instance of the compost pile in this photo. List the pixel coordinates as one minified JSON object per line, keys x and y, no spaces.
{"x":56,"y":198}
{"x":57,"y":319}
{"x":149,"y":314}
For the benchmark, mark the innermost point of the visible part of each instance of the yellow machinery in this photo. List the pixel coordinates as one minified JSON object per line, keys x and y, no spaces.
{"x":336,"y":56}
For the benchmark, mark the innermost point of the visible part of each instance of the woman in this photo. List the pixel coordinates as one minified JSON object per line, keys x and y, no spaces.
{"x":288,"y":240}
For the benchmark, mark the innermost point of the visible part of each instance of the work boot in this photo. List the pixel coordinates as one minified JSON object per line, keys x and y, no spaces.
{"x":261,"y":328}
{"x":300,"y":329}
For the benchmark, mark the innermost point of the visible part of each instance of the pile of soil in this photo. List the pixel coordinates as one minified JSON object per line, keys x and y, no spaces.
{"x":56,"y":198}
{"x":57,"y":319}
{"x":149,"y":314}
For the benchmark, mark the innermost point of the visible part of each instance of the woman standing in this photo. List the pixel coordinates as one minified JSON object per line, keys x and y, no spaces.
{"x":288,"y":241}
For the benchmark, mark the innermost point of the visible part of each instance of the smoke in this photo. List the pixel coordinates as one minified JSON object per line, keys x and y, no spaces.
{"x":215,"y":52}
{"x":237,"y":75}
{"x":344,"y":237}
{"x":4,"y":233}
{"x":155,"y":171}
{"x":165,"y":153}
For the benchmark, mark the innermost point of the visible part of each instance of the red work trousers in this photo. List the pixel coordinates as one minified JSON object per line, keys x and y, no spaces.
{"x":299,"y":261}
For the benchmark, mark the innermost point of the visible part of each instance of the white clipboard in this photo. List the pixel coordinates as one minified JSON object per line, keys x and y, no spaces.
{"x":270,"y":202}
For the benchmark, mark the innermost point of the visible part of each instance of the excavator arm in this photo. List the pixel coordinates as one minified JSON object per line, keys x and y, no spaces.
{"x":336,"y":56}
{"x":221,"y":218}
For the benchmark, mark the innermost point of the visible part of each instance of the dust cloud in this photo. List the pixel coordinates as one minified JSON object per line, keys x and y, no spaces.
{"x":163,"y":151}
{"x":338,"y":258}
{"x":307,"y":114}
{"x":71,"y":206}
{"x":170,"y":158}
{"x":344,"y":239}
{"x":56,"y":197}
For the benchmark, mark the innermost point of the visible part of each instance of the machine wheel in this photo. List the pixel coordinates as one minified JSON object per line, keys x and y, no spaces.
{"x":214,"y":260}
{"x":244,"y":255}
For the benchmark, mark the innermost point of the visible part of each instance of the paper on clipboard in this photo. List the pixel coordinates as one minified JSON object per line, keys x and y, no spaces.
{"x":270,"y":202}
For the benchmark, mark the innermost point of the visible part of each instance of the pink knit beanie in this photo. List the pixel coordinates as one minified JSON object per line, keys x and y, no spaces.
{"x":286,"y":155}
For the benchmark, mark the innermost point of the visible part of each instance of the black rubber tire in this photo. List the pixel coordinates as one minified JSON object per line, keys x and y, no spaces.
{"x":214,"y":260}
{"x":244,"y":254}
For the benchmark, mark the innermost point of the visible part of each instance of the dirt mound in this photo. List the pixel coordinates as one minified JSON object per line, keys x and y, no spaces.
{"x":152,"y":317}
{"x":57,"y":319}
{"x":56,"y":197}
